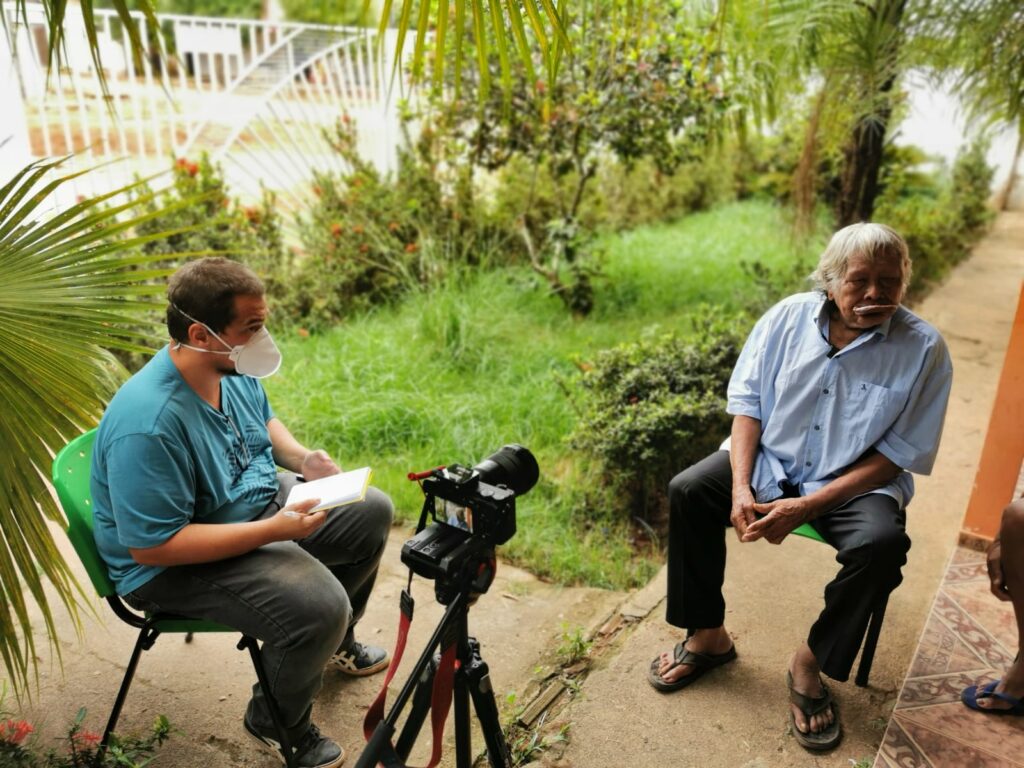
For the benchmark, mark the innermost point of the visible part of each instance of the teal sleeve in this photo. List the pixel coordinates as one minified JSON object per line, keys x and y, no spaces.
{"x":268,"y":412}
{"x":152,"y":482}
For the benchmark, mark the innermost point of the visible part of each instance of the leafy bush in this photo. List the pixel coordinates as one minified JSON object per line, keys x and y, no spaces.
{"x":81,"y":747}
{"x":650,"y":408}
{"x":372,"y":237}
{"x":247,"y":233}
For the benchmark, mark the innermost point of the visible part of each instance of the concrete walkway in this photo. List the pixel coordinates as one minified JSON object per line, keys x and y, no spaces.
{"x":738,"y":716}
{"x":203,"y":686}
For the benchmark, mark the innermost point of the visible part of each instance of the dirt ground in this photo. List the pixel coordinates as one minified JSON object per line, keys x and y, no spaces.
{"x":737,"y":717}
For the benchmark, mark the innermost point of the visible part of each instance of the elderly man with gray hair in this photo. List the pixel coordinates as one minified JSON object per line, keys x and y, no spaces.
{"x":838,"y":395}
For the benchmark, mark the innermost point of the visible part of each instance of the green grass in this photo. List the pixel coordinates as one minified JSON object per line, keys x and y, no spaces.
{"x":452,"y":375}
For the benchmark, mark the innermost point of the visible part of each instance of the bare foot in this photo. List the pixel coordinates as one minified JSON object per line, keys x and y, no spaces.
{"x":1012,"y":684}
{"x":710,"y":641}
{"x":807,"y":680}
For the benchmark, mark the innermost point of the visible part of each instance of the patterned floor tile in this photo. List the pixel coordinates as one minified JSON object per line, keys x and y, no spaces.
{"x":987,"y":611}
{"x":940,"y":650}
{"x":962,"y":737}
{"x":898,"y":750}
{"x":940,"y":689}
{"x":967,"y":555}
{"x":972,"y":633}
{"x":966,"y":572}
{"x":969,"y":638}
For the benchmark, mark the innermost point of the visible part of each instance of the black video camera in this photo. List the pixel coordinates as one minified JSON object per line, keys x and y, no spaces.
{"x":476,"y":513}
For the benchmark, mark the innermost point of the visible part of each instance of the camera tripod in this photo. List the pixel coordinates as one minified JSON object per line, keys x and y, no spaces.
{"x":467,"y":677}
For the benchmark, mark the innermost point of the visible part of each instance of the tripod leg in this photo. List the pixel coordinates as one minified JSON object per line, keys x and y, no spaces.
{"x":477,"y":676}
{"x":417,"y":711}
{"x":463,"y":736}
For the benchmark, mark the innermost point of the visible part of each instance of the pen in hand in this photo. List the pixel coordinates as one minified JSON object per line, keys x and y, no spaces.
{"x":306,"y":509}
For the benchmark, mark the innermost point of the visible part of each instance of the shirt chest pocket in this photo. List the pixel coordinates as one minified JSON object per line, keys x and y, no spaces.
{"x":868,"y":410}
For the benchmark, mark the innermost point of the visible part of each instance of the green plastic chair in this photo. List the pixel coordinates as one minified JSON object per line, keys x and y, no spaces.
{"x":867,"y":655}
{"x":71,"y":470}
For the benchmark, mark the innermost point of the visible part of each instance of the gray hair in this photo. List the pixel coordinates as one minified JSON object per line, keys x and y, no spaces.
{"x":865,"y":239}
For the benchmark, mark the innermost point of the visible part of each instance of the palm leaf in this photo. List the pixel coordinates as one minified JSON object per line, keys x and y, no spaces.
{"x":56,"y":18}
{"x":497,"y":25}
{"x":71,"y":286}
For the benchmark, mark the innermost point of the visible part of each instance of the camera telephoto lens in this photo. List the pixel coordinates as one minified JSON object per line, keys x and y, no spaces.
{"x":512,"y":466}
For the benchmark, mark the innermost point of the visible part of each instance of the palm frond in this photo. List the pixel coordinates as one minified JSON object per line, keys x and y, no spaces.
{"x":57,"y":24}
{"x":71,"y":286}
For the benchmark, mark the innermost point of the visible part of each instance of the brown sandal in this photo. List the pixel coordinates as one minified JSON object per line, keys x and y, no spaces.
{"x":820,"y":741}
{"x":702,"y":662}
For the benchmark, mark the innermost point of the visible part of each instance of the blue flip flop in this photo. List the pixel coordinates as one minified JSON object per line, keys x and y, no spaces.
{"x":969,"y":696}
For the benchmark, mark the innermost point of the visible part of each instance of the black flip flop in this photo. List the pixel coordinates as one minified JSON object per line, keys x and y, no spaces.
{"x":822,"y":740}
{"x":702,"y":662}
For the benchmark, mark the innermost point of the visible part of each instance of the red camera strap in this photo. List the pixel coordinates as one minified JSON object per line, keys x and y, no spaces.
{"x":441,"y":696}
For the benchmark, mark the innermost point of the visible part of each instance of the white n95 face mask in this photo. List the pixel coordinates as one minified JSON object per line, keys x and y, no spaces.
{"x":258,"y":358}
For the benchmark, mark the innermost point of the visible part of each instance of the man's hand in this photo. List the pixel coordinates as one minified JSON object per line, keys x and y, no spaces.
{"x":317,"y":464}
{"x":994,"y":562}
{"x":781,"y":517}
{"x":742,"y":510}
{"x":296,"y":522}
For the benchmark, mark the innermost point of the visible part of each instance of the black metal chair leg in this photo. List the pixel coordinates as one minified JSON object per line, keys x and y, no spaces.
{"x":147,"y":636}
{"x":249,"y":643}
{"x":867,"y":655}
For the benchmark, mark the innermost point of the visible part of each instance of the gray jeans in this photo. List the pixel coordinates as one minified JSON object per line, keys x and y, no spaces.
{"x":301,"y":598}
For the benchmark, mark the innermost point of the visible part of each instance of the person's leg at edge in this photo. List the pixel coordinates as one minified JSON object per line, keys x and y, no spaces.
{"x":869,"y":533}
{"x":1011,"y":537}
{"x":700,"y":501}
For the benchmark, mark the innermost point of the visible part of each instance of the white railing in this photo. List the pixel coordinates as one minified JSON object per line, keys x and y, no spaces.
{"x":206,"y":85}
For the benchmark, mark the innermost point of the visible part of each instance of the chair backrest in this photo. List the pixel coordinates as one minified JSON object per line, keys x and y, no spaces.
{"x":71,"y":469}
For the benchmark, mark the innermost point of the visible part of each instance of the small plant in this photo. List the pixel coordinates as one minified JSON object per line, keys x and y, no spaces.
{"x":574,"y":646}
{"x":81,"y":747}
{"x":650,"y":408}
{"x":527,"y":744}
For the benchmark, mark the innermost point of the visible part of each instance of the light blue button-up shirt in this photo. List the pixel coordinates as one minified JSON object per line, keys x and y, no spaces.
{"x":886,"y":390}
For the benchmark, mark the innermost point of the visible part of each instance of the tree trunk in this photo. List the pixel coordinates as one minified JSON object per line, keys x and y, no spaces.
{"x":863,"y":152}
{"x":1003,"y":198}
{"x":804,"y":187}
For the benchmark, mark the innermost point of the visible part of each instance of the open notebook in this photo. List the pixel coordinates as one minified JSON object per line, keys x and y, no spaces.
{"x":333,"y":490}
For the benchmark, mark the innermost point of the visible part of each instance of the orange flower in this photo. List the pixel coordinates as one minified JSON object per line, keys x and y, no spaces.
{"x":317,"y":191}
{"x":393,"y":226}
{"x":364,"y":248}
{"x":357,"y":229}
{"x":336,"y":229}
{"x":303,"y":333}
{"x":411,"y":247}
{"x":14,"y":731}
{"x":191,"y":169}
{"x":86,"y":739}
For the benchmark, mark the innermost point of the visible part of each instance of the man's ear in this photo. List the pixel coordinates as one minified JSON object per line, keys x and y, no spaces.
{"x":197,"y":334}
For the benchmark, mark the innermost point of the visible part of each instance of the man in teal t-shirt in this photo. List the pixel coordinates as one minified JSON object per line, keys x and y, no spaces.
{"x":189,"y":507}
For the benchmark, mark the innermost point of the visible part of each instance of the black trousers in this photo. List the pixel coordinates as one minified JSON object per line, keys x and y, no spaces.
{"x":868,"y":532}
